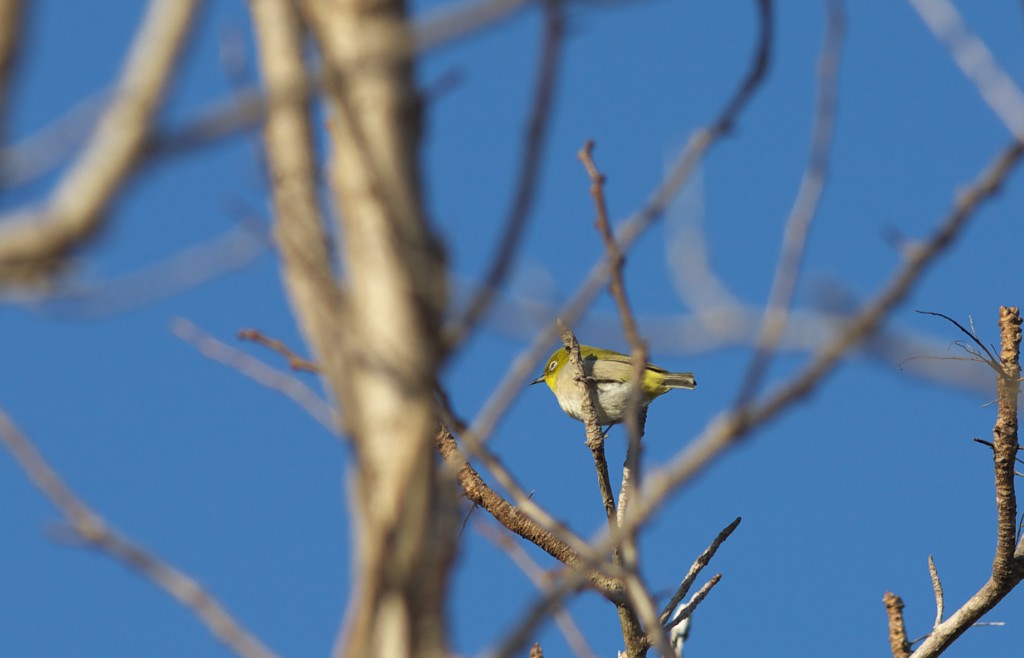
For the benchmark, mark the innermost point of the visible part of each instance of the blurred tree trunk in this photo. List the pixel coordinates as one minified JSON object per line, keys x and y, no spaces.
{"x":392,"y":303}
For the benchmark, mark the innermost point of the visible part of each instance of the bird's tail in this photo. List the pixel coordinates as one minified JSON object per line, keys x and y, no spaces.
{"x":679,"y":380}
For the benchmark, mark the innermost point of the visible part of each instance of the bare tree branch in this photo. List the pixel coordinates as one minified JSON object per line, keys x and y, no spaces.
{"x":698,"y":565}
{"x":937,"y":588}
{"x":295,"y":362}
{"x":33,"y":243}
{"x":726,"y":431}
{"x":684,"y":166}
{"x":632,"y":632}
{"x":306,"y":264}
{"x":404,"y":508}
{"x":575,"y":639}
{"x":1008,"y":563}
{"x":514,"y":519}
{"x":282,"y":382}
{"x":969,"y":52}
{"x":180,"y":272}
{"x":686,"y":611}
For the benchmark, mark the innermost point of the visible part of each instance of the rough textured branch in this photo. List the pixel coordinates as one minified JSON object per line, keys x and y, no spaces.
{"x":513,"y":519}
{"x":1007,"y":568}
{"x":898,"y":643}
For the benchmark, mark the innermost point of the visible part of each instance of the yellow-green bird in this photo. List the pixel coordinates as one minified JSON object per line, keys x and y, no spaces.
{"x":611,"y":372}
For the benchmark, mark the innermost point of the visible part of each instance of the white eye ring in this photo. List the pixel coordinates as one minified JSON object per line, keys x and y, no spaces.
{"x":551,"y":366}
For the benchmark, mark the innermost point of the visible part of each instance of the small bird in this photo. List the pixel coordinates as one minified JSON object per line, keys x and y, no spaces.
{"x":611,"y":372}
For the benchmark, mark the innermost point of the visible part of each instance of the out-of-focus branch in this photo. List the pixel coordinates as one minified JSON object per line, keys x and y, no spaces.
{"x":529,"y":173}
{"x":94,"y":531}
{"x":404,"y":510}
{"x":616,"y":259}
{"x":641,"y":603}
{"x":458,"y":19}
{"x":276,"y":380}
{"x":798,"y":226}
{"x":44,"y":150}
{"x":638,"y":349}
{"x":728,"y":430}
{"x":522,"y":500}
{"x":299,"y":229}
{"x":295,"y":362}
{"x":186,"y":270}
{"x":970,"y":53}
{"x":11,"y":27}
{"x":244,"y":110}
{"x":33,"y":243}
{"x":736,"y":325}
{"x":577,"y":642}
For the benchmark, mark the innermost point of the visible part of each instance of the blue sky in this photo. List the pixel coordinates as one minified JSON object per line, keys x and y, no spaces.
{"x":842,"y":498}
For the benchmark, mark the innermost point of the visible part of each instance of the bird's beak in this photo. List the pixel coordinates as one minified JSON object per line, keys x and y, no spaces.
{"x":537,"y":381}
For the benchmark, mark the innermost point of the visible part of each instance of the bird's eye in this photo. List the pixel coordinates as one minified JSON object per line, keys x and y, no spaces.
{"x":551,"y":366}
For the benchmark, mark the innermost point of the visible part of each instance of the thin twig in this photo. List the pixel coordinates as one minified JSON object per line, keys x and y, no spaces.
{"x":616,"y":259}
{"x":993,"y":447}
{"x":698,"y":565}
{"x":687,"y":610}
{"x":32,"y":157}
{"x":972,"y":334}
{"x":638,"y":349}
{"x":185,"y":270}
{"x":254,"y":369}
{"x":92,"y":529}
{"x":632,"y":632}
{"x":295,"y":362}
{"x":937,"y":588}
